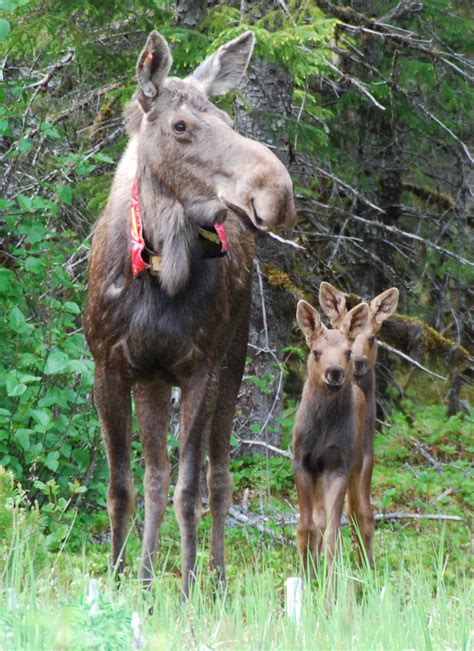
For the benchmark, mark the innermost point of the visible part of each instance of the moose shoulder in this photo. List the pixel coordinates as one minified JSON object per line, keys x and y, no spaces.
{"x":169,"y":289}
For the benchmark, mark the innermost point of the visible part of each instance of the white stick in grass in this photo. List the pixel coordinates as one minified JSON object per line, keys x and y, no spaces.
{"x":294,"y":597}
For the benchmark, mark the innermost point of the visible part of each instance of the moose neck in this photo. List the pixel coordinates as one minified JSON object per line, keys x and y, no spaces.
{"x":166,"y":230}
{"x":367,"y":384}
{"x":329,"y":406}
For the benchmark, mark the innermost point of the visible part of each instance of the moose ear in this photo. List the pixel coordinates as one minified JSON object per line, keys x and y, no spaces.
{"x":153,"y":66}
{"x":309,"y":321}
{"x":333,"y":303}
{"x":225,"y":68}
{"x":355,"y":321}
{"x":383,"y":306}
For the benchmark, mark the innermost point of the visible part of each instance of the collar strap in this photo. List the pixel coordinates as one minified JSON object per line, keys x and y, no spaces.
{"x":213,"y":241}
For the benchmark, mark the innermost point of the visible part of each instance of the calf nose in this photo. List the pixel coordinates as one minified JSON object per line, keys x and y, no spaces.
{"x":360,"y":365}
{"x":334,"y":376}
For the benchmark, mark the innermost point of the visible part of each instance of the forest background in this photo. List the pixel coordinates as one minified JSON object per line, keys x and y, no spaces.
{"x":370,"y":105}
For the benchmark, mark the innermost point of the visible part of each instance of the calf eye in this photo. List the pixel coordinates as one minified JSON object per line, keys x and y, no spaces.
{"x":317,"y":354}
{"x":180,"y":127}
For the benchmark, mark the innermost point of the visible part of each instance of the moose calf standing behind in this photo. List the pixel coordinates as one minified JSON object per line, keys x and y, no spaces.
{"x":364,"y":358}
{"x":328,"y":433}
{"x":165,"y":307}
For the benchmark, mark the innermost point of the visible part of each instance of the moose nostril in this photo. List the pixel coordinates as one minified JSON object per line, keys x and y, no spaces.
{"x":360,"y":366}
{"x":335,"y":376}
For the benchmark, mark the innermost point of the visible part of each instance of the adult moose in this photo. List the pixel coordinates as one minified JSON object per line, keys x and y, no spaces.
{"x":165,"y":307}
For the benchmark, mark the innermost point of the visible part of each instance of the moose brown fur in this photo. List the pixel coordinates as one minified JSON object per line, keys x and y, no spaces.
{"x":364,"y":357}
{"x":189,"y":326}
{"x":328,"y":433}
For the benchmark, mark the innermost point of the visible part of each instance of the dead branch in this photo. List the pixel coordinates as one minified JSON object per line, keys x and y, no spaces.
{"x":410,"y":360}
{"x":257,"y":521}
{"x":272,"y":448}
{"x":387,"y":227}
{"x":424,"y":453}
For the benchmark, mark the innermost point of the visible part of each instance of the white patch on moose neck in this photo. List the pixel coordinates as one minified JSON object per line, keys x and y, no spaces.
{"x":126,"y":169}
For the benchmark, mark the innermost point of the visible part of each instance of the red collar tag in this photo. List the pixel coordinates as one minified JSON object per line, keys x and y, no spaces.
{"x":136,"y":234}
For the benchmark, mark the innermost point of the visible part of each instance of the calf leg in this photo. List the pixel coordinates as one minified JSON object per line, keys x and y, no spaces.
{"x":319,"y":514}
{"x":219,"y":479}
{"x":306,"y":533}
{"x":197,"y":405}
{"x":334,"y":490}
{"x":112,"y":399}
{"x":152,"y":400}
{"x":360,"y":509}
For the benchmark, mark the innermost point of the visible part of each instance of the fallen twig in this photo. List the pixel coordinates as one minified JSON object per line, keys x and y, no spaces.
{"x":424,"y":453}
{"x":272,"y":448}
{"x":257,"y":521}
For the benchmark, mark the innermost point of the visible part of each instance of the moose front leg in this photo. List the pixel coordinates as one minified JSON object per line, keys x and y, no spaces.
{"x":198,"y":400}
{"x":334,"y":490}
{"x":152,"y":401}
{"x":112,"y":399}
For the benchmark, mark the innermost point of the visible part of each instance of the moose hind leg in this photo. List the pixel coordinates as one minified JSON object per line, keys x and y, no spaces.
{"x":197,"y":405}
{"x":112,"y":399}
{"x":360,"y":508}
{"x":152,"y":401}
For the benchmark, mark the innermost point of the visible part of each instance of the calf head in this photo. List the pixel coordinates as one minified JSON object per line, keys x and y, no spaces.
{"x":364,"y":348}
{"x":190,"y":148}
{"x":329,"y":362}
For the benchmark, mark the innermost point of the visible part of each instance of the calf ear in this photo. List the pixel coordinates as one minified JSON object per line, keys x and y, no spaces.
{"x":383,"y":306}
{"x":226,"y":67}
{"x":355,"y":321}
{"x":333,"y":303}
{"x":309,"y":321}
{"x":153,"y":66}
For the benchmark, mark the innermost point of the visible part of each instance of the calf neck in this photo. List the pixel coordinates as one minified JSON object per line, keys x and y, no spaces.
{"x":165,"y":305}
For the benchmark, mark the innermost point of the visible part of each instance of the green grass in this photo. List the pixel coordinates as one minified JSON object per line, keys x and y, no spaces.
{"x":419,"y":596}
{"x":388,"y":608}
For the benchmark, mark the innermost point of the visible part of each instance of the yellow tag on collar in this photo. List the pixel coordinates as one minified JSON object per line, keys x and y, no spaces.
{"x":209,"y":235}
{"x":155,"y":265}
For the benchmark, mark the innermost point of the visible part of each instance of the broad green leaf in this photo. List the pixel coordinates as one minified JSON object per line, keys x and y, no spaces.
{"x":4,"y":29}
{"x":56,"y":362}
{"x":52,"y":461}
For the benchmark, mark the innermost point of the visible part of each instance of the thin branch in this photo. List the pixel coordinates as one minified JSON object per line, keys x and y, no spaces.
{"x":278,"y":238}
{"x":357,"y":84}
{"x":272,"y":448}
{"x":411,"y":360}
{"x":387,"y":227}
{"x":346,"y":186}
{"x":256,"y":521}
{"x":424,"y":453}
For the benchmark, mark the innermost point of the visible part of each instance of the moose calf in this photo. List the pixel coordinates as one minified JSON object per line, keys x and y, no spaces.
{"x":328,"y":433}
{"x":364,"y":357}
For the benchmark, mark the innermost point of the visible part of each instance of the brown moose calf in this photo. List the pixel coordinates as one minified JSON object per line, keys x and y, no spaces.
{"x":328,"y":434}
{"x":364,"y":358}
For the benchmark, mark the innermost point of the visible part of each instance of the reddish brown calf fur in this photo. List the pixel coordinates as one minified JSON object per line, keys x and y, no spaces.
{"x":328,"y":434}
{"x":364,"y":357}
{"x":189,"y":325}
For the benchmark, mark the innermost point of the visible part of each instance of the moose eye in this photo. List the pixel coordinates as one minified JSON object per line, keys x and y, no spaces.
{"x":348,"y":354}
{"x":180,"y":127}
{"x":317,"y":354}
